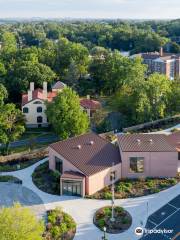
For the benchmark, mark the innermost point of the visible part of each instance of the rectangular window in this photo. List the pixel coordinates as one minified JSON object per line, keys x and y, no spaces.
{"x":59,"y":165}
{"x":136,"y":164}
{"x":113,"y":176}
{"x":178,"y":155}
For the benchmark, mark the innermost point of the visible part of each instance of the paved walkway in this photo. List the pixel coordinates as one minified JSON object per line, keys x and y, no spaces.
{"x":82,"y":210}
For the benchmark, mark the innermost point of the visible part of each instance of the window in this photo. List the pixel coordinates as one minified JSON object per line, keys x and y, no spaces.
{"x":39,"y":119}
{"x":178,"y":155}
{"x":37,"y":102}
{"x":113,"y":176}
{"x":25,"y":110}
{"x":136,"y":164}
{"x":39,"y":109}
{"x":59,"y":165}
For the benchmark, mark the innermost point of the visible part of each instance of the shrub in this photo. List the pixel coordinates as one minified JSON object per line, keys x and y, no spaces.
{"x":150,"y":183}
{"x":107,"y":195}
{"x":107,"y":211}
{"x":101,"y":223}
{"x":125,"y":220}
{"x":172,"y":181}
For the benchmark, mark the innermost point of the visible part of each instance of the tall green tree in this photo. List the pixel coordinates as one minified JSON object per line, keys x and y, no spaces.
{"x":11,"y":124}
{"x":19,"y":223}
{"x":3,"y":94}
{"x":66,"y":116}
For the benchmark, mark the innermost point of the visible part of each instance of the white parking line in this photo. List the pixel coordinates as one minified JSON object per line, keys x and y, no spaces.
{"x":172,"y":206}
{"x":152,"y":222}
{"x":166,"y":218}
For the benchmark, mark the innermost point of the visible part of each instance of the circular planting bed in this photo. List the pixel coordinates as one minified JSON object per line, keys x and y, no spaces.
{"x":60,"y":225}
{"x":122,"y":219}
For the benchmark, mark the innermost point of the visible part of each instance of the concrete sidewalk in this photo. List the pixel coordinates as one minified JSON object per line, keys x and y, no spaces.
{"x":82,"y":210}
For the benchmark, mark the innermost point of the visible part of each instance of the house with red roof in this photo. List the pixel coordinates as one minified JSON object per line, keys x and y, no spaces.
{"x":90,"y":106}
{"x":33,"y":104}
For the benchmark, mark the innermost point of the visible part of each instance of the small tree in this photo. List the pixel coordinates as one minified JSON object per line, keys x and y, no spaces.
{"x":19,"y":223}
{"x":11,"y":124}
{"x":66,"y":116}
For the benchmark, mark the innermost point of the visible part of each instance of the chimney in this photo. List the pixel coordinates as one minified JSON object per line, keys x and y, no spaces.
{"x":161,"y":51}
{"x":45,"y":89}
{"x":29,"y":95}
{"x":32,"y":86}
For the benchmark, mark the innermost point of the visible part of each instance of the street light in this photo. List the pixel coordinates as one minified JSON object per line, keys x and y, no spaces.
{"x":104,"y":231}
{"x":113,"y":178}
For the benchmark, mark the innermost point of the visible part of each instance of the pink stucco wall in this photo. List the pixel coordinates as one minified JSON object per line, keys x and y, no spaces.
{"x":156,"y":164}
{"x":67,"y":166}
{"x":99,"y":180}
{"x":93,"y":183}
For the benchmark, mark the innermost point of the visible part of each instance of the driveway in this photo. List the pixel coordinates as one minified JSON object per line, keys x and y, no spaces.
{"x":82,"y":210}
{"x":11,"y":193}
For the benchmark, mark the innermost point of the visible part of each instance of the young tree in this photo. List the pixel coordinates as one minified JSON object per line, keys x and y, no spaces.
{"x":19,"y":223}
{"x":11,"y":124}
{"x":66,"y":116}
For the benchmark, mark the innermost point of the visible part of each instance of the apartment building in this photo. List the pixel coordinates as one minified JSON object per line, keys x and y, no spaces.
{"x":163,"y":63}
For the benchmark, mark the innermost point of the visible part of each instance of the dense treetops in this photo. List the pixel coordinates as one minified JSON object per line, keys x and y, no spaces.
{"x":87,"y":57}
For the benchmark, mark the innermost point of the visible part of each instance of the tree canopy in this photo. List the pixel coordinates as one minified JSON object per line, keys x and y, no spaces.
{"x":19,"y":223}
{"x":66,"y":116}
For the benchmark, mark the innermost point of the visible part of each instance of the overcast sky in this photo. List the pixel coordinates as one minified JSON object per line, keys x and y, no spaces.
{"x":144,"y":9}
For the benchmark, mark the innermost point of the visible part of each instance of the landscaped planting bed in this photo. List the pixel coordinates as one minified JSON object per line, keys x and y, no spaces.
{"x":46,"y":180}
{"x":129,"y":188}
{"x":10,"y":179}
{"x":60,"y":226}
{"x":122,"y":219}
{"x":15,"y":165}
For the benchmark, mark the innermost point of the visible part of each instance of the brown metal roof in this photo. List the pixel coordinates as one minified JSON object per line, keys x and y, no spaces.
{"x":174,"y":139}
{"x":145,"y":143}
{"x":89,"y":153}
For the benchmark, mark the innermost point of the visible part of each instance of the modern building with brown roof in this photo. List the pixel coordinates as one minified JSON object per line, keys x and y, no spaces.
{"x":88,"y":162}
{"x":147,"y":155}
{"x":174,"y":140}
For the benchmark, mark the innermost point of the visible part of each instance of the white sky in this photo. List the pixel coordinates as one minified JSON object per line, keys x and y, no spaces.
{"x":144,"y":9}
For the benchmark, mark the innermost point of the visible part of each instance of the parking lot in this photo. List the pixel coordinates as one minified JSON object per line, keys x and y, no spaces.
{"x":166,"y":218}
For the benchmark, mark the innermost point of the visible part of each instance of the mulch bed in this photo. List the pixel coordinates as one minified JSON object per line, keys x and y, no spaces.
{"x":123,"y":220}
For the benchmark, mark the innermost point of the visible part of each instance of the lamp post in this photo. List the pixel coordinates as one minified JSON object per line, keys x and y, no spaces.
{"x":112,"y":190}
{"x":104,"y":231}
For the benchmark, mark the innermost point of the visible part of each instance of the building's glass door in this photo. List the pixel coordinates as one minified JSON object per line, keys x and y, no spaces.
{"x":72,"y":188}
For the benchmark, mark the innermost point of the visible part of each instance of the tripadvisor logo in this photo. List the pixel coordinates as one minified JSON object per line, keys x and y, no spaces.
{"x":139,"y":231}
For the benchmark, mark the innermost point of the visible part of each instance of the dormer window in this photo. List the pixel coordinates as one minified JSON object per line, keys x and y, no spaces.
{"x":37,"y":102}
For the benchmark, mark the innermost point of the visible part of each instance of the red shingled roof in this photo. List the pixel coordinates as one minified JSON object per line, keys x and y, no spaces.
{"x":144,"y":143}
{"x":90,"y":104}
{"x":89,"y":153}
{"x":38,"y":94}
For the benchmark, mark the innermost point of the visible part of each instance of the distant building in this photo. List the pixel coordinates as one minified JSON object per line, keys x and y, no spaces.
{"x":34,"y":107}
{"x":33,"y":104}
{"x":90,"y":106}
{"x":163,"y":63}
